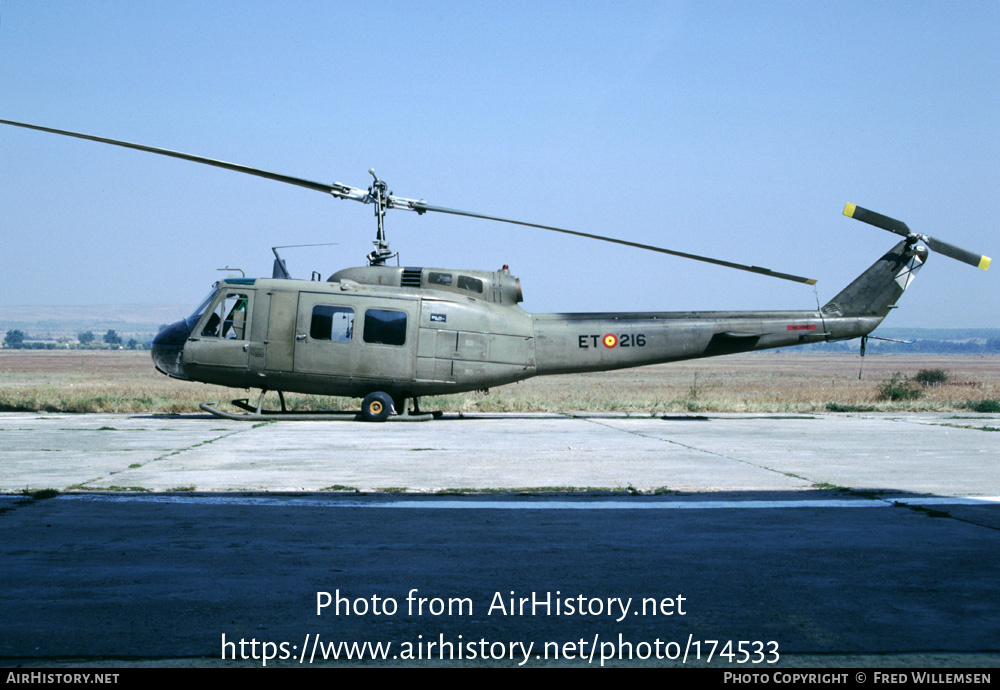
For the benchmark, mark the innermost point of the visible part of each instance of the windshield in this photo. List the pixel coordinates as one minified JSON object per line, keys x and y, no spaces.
{"x":196,"y":314}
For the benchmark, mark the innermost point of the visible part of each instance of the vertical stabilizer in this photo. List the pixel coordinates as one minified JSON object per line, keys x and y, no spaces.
{"x":874,"y":292}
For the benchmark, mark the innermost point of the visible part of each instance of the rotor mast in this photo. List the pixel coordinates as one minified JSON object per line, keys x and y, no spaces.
{"x":380,"y":196}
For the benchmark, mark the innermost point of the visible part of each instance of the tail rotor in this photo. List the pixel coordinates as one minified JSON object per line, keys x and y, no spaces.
{"x":900,"y":228}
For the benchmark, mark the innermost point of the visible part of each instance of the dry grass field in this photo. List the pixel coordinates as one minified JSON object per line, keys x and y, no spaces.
{"x":125,"y":381}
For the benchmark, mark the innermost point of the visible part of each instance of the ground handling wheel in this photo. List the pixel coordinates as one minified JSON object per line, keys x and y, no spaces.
{"x":376,"y":407}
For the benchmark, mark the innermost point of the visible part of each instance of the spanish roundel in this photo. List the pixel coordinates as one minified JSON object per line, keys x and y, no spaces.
{"x":610,"y":340}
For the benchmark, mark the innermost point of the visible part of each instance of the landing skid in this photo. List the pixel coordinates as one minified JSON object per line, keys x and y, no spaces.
{"x":256,"y":413}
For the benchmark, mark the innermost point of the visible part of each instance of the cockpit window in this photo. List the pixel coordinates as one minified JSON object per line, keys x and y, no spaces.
{"x":228,"y":319}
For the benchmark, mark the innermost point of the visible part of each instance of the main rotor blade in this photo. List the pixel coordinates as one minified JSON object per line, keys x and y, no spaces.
{"x":345,"y":192}
{"x":336,"y":188}
{"x":421,"y":207}
{"x":900,"y":228}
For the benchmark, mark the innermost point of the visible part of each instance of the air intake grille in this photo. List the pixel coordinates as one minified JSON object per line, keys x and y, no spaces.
{"x":411,"y":277}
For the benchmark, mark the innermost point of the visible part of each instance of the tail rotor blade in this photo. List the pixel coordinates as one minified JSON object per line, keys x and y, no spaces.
{"x":877,"y":219}
{"x":957,"y":253}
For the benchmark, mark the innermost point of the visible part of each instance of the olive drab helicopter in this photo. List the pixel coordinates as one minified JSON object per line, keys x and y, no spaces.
{"x":393,"y":334}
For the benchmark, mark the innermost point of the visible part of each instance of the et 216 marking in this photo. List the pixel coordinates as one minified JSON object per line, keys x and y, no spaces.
{"x":611,"y":341}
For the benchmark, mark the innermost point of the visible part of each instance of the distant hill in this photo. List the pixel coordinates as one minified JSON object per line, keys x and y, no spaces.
{"x":141,"y":321}
{"x":959,"y":341}
{"x":939,"y":333}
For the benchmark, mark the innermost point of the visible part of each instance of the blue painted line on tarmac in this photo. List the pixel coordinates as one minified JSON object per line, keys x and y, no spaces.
{"x":535,"y":503}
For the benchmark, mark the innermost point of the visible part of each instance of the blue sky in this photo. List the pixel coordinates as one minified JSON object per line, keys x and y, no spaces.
{"x":730,"y":129}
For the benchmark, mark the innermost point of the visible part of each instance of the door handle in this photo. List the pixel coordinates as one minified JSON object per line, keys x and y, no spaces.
{"x":300,"y":337}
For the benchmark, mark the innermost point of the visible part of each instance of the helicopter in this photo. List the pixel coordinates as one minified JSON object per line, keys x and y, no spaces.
{"x":390,"y":335}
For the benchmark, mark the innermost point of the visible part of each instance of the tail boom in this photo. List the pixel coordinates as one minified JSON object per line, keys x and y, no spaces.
{"x":571,"y":343}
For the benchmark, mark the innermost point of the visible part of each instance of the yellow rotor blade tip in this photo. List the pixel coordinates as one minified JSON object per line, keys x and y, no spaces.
{"x":984,"y":263}
{"x":849,"y":210}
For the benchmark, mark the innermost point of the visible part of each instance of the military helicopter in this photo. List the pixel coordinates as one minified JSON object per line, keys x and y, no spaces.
{"x":392,"y":334}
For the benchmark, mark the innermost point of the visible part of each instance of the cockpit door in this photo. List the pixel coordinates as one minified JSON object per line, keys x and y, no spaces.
{"x":222,"y":337}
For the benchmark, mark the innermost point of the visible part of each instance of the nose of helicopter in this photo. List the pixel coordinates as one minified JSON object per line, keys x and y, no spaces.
{"x":168,"y":349}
